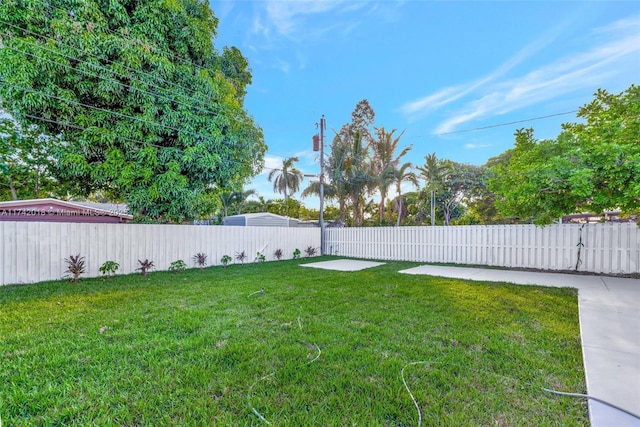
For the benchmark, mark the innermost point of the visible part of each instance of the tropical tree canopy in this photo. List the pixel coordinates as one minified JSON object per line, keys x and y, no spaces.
{"x":590,"y":167}
{"x":462,"y":183}
{"x":151,"y":112}
{"x":26,"y":162}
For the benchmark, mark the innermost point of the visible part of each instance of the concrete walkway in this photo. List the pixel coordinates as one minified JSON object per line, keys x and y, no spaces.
{"x":610,"y":328}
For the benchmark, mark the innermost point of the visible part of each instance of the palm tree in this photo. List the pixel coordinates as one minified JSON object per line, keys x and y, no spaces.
{"x":226,"y":199}
{"x":384,"y":147}
{"x":241,"y":199}
{"x":313,"y":189}
{"x":350,"y":170}
{"x":433,"y":172}
{"x":403,"y":174}
{"x":334,"y":168}
{"x":234,"y":200}
{"x":286,"y":178}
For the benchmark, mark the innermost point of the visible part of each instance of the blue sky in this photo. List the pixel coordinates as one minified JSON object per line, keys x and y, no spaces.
{"x":427,"y":67}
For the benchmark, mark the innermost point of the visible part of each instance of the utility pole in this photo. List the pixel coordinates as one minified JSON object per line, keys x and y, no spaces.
{"x":318,"y":145}
{"x":323,"y":126}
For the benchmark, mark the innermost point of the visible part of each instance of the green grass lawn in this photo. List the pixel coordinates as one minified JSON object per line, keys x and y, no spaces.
{"x":317,"y":347}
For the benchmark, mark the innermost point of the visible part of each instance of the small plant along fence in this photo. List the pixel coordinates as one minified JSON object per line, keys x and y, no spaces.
{"x":33,"y":251}
{"x":612,"y":248}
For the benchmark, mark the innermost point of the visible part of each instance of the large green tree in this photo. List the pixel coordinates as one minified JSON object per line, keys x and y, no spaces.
{"x":461,"y":184}
{"x":26,"y":162}
{"x":349,"y":167}
{"x":590,"y":167}
{"x":152,"y":111}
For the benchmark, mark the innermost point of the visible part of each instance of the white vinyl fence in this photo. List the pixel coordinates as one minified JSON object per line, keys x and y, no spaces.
{"x":599,"y":248}
{"x":32,"y":252}
{"x":35,"y":251}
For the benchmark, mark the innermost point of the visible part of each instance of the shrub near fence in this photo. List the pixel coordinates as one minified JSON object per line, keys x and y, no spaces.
{"x":32,"y":251}
{"x":35,"y":251}
{"x":612,"y":248}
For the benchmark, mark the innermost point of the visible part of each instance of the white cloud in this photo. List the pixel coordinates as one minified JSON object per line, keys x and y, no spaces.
{"x":473,"y":146}
{"x":308,"y":156}
{"x":287,"y":16}
{"x":430,"y":103}
{"x":617,"y":55}
{"x":270,"y":163}
{"x":450,"y":124}
{"x":569,"y":74}
{"x":434,"y":101}
{"x":294,"y":25}
{"x":282,"y":65}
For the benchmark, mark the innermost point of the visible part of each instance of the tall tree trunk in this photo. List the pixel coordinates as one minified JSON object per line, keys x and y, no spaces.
{"x":355,"y":199}
{"x":433,"y":208}
{"x":399,"y":211}
{"x":14,"y":194}
{"x":446,"y":210}
{"x":286,"y":207}
{"x":37,"y":192}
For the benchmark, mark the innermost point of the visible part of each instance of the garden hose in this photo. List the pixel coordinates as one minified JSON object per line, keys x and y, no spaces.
{"x":562,"y":393}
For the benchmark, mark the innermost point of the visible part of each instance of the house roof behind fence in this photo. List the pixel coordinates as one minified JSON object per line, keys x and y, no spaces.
{"x":54,"y":209}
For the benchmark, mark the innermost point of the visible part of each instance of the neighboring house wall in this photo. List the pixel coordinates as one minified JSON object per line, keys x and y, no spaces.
{"x":35,"y":251}
{"x":235,"y":221}
{"x":611,"y":248}
{"x":267,"y":221}
{"x":260,"y":220}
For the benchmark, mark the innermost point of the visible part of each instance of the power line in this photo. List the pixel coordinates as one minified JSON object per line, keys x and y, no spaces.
{"x":98,"y":76}
{"x":509,"y":123}
{"x":115,"y":113}
{"x":70,"y":125}
{"x":73,"y":126}
{"x":104,"y":78}
{"x":109,"y":31}
{"x":497,"y":125}
{"x":149,"y":44}
{"x":100,"y":59}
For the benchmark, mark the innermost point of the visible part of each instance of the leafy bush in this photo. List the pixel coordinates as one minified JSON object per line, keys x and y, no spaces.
{"x":260,"y":257}
{"x":310,"y":251}
{"x":75,"y":267}
{"x":109,"y":268}
{"x":278,"y":254}
{"x":296,"y":254}
{"x":177,"y":266}
{"x":200,"y":259}
{"x":241,"y":256}
{"x":225,"y":260}
{"x":145,"y":266}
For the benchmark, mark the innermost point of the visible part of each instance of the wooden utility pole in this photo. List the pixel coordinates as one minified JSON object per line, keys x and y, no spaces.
{"x":323,"y":126}
{"x":318,"y":145}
